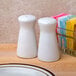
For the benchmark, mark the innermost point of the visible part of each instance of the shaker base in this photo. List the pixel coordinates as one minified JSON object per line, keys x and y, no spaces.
{"x":49,"y":60}
{"x":26,"y":57}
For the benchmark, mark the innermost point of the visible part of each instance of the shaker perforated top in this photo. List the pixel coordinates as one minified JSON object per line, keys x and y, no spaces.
{"x":26,"y":18}
{"x":47,"y":20}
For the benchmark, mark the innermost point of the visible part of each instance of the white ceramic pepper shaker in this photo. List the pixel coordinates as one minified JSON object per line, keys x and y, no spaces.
{"x":48,"y":47}
{"x":27,"y":47}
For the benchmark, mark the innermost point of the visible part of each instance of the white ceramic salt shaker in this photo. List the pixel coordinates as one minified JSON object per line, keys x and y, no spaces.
{"x":27,"y":47}
{"x":48,"y":47}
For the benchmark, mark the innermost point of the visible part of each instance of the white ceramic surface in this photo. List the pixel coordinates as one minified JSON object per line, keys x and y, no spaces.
{"x":27,"y":47}
{"x":48,"y":47}
{"x":22,"y":70}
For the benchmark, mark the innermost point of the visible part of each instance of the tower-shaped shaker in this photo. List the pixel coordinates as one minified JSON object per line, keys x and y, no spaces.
{"x":26,"y":42}
{"x":48,"y":47}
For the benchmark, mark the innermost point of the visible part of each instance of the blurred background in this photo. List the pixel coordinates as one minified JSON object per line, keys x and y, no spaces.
{"x":11,"y":9}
